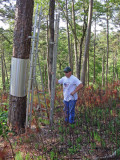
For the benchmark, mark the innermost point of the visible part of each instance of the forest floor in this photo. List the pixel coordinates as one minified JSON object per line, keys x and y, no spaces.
{"x":87,"y":139}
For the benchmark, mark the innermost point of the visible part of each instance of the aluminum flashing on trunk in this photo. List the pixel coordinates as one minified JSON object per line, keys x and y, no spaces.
{"x":19,"y":77}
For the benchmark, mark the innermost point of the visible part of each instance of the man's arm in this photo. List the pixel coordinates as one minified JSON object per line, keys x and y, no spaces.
{"x":77,"y":89}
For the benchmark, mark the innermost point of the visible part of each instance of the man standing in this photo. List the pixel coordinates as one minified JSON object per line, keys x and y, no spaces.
{"x":71,"y":85}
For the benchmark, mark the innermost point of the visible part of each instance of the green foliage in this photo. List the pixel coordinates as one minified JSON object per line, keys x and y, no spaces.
{"x":79,"y":139}
{"x":72,"y":150}
{"x":97,"y":137}
{"x":118,"y":152}
{"x":27,"y":157}
{"x":44,"y":4}
{"x":44,"y":121}
{"x":18,"y":156}
{"x":7,"y":10}
{"x":52,"y":155}
{"x":3,"y":123}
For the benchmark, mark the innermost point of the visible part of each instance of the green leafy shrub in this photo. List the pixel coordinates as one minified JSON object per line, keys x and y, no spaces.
{"x":3,"y":123}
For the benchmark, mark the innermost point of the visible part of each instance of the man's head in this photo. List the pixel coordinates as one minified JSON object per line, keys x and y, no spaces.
{"x":67,"y":72}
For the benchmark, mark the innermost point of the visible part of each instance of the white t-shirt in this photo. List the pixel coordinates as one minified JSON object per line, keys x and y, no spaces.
{"x":69,"y":85}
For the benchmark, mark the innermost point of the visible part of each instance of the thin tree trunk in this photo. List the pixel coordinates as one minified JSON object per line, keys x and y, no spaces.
{"x":68,"y":35}
{"x":113,"y":67}
{"x":72,"y":59}
{"x":45,"y":71}
{"x":51,"y":42}
{"x":94,"y":50}
{"x":84,"y":67}
{"x":103,"y":69}
{"x":116,"y":71}
{"x":81,"y":44}
{"x":107,"y":49}
{"x":75,"y":39}
{"x":47,"y":51}
{"x":88,"y":70}
{"x":21,"y":50}
{"x":3,"y":65}
{"x":3,"y":72}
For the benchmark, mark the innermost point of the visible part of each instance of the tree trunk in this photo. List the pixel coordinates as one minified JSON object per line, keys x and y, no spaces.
{"x":3,"y":65}
{"x":3,"y":71}
{"x":47,"y":53}
{"x":81,"y":44}
{"x":75,"y":39}
{"x":5,"y":68}
{"x":116,"y":70}
{"x":103,"y":69}
{"x":72,"y":56}
{"x":107,"y":49}
{"x":88,"y":71}
{"x":68,"y":36}
{"x":94,"y":50}
{"x":117,"y":51}
{"x":45,"y":71}
{"x":51,"y":42}
{"x":84,"y":67}
{"x":113,"y":67}
{"x":21,"y":50}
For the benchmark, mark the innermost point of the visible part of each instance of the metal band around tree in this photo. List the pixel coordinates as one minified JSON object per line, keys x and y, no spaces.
{"x":19,"y":77}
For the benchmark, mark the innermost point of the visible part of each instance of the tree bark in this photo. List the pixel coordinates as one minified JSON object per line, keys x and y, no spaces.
{"x":75,"y":39}
{"x":107,"y":49}
{"x":94,"y":49}
{"x":21,"y":50}
{"x":3,"y":71}
{"x":103,"y":69}
{"x":81,"y":44}
{"x":68,"y":36}
{"x":88,"y":71}
{"x":116,"y":71}
{"x":3,"y":65}
{"x":51,"y":42}
{"x":113,"y":67}
{"x":84,"y":67}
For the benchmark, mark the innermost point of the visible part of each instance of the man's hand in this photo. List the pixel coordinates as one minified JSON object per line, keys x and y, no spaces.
{"x":77,"y":89}
{"x":72,"y":93}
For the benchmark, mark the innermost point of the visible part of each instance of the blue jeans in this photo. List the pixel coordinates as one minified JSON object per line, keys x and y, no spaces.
{"x":69,"y":109}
